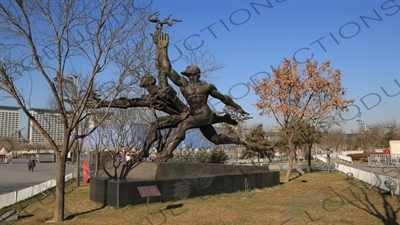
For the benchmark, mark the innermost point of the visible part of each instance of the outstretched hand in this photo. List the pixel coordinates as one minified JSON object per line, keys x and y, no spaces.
{"x":242,"y":112}
{"x":155,"y":36}
{"x":160,"y":39}
{"x":163,"y":40}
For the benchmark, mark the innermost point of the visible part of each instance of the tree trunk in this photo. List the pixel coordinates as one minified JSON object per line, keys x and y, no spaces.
{"x":309,"y":157}
{"x":290,"y":168}
{"x":60,"y":186}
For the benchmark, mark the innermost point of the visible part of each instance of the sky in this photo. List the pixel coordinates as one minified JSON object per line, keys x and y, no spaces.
{"x":360,"y":38}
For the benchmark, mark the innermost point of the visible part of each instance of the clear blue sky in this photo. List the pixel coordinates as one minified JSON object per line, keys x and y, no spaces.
{"x":361,"y":38}
{"x":249,"y":38}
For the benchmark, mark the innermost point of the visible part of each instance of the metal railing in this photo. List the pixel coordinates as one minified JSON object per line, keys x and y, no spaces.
{"x":20,"y":195}
{"x":383,"y":160}
{"x":346,"y":158}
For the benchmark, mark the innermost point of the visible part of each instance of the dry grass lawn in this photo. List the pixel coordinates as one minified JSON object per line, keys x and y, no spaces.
{"x":314,"y":198}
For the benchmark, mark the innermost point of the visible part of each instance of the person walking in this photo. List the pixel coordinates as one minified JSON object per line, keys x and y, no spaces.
{"x":33,"y":164}
{"x":30,"y":164}
{"x":387,"y":153}
{"x":328,"y":153}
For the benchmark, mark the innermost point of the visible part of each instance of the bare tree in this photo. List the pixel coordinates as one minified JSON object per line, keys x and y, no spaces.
{"x":377,"y":135}
{"x":122,"y":129}
{"x":50,"y":38}
{"x":205,"y":59}
{"x":334,"y":139}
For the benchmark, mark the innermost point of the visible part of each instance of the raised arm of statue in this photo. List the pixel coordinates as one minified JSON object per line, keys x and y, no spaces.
{"x":162,"y":51}
{"x":164,"y":63}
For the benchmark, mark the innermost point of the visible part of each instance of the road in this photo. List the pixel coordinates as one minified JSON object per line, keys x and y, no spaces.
{"x":16,"y":176}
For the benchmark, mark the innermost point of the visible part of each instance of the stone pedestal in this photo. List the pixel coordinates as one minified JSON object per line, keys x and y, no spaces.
{"x":118,"y":185}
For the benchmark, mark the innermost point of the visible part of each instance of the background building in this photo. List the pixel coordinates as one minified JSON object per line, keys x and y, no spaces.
{"x":50,"y":121}
{"x":9,"y":119}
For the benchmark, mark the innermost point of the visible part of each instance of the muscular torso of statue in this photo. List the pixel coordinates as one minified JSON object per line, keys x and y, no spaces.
{"x":196,"y":95}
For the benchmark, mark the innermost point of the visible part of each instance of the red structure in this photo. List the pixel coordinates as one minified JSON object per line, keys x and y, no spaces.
{"x":85,"y":171}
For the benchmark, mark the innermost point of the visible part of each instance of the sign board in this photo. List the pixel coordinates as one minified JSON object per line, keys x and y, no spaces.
{"x":394,"y":146}
{"x":149,"y":191}
{"x":300,"y":170}
{"x":9,"y":216}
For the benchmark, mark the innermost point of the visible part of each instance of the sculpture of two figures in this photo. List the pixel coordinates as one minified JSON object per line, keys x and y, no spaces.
{"x":162,"y":97}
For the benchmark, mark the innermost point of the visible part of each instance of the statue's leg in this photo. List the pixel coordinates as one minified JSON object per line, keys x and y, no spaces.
{"x":231,"y":140}
{"x":225,"y":118}
{"x":150,"y":139}
{"x":178,"y":137}
{"x":210,"y":133}
{"x":160,"y":123}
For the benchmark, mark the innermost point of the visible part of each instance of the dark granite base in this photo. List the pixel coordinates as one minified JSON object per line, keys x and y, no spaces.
{"x":177,"y":181}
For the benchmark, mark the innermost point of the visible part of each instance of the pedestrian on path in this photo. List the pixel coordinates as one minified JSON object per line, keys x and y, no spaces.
{"x":31,"y":165}
{"x":388,"y":160}
{"x":328,"y":153}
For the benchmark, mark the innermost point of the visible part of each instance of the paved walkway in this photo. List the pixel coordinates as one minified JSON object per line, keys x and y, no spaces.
{"x":16,"y":176}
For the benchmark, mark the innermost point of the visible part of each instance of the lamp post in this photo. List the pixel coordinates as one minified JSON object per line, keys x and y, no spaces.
{"x":72,"y":79}
{"x":76,"y":142}
{"x":362,"y":123}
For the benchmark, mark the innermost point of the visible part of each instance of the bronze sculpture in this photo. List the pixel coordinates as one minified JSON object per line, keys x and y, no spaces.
{"x":196,"y":93}
{"x":163,"y":97}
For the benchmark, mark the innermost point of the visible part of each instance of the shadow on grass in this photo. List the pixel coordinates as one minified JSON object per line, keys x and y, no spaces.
{"x":25,"y":216}
{"x":174,"y":206}
{"x":294,"y":178}
{"x":72,"y":216}
{"x":363,"y":201}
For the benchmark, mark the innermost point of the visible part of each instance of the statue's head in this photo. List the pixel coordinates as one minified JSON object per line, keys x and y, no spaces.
{"x":191,"y":70}
{"x":147,"y":80}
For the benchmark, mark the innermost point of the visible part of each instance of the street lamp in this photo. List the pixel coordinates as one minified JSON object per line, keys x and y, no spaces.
{"x":73,"y":79}
{"x":361,"y":122}
{"x":76,"y":143}
{"x":75,"y":82}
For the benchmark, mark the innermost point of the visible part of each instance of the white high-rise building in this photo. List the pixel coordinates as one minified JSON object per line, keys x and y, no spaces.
{"x":9,"y":119}
{"x":51,"y":123}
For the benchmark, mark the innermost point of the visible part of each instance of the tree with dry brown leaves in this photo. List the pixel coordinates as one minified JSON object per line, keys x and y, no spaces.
{"x":297,"y":95}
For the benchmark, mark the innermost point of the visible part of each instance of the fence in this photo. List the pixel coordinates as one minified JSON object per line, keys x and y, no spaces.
{"x":346,"y":158}
{"x":375,"y":179}
{"x":352,"y":152}
{"x":20,"y":195}
{"x":383,"y":160}
{"x":323,"y":159}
